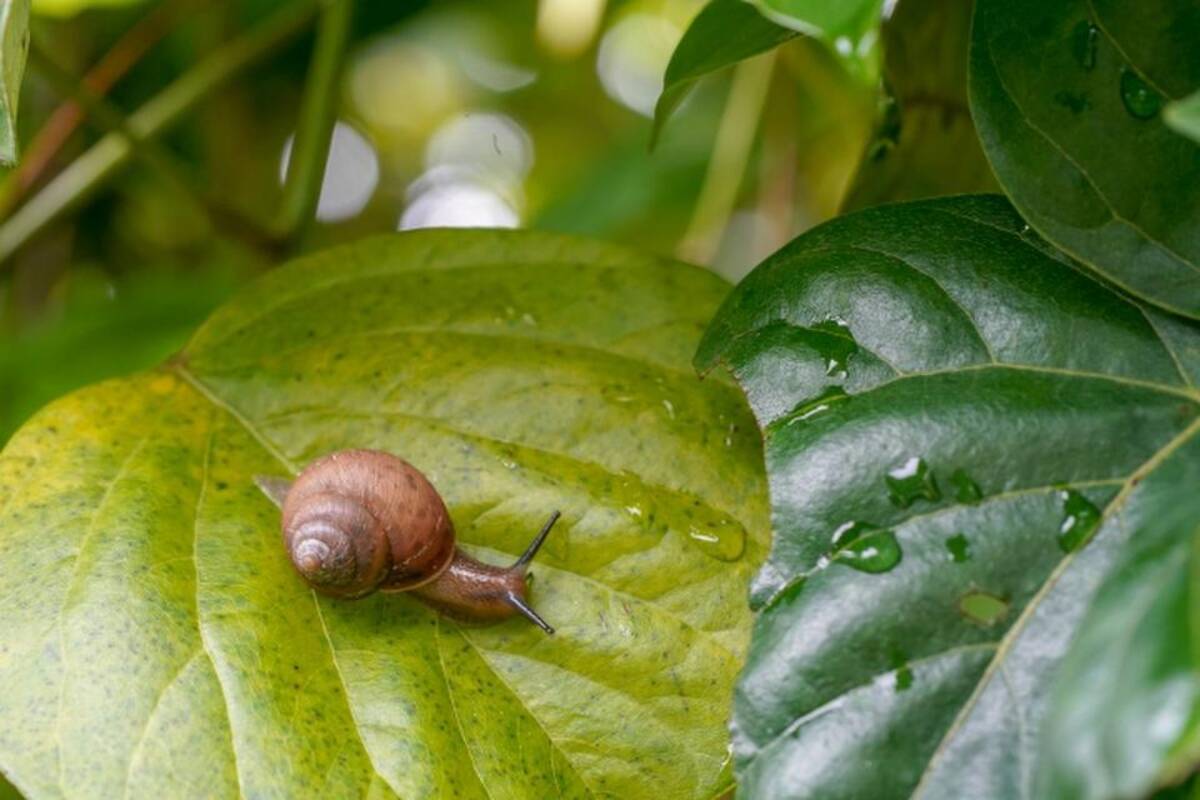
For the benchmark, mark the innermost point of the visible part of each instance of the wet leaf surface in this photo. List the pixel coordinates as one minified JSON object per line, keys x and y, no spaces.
{"x":154,"y":640}
{"x":1005,"y":418}
{"x":1056,"y":89}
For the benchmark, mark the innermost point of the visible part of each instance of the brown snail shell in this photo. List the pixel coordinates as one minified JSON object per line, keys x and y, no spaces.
{"x":357,"y":521}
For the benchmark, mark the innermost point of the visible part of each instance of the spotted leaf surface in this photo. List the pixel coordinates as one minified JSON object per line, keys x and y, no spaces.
{"x":963,"y":430}
{"x":154,"y":640}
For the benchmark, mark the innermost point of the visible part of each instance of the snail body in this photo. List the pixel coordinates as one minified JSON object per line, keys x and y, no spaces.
{"x":359,"y":521}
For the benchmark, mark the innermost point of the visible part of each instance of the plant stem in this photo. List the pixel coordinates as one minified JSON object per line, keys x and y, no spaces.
{"x":105,"y":158}
{"x":128,"y":50}
{"x":109,"y":119}
{"x":731,"y":152}
{"x":318,"y":113}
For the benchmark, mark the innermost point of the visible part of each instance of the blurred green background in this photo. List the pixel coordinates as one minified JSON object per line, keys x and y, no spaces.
{"x":522,"y":113}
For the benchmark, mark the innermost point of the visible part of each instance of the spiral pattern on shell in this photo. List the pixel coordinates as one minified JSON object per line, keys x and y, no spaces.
{"x":360,"y":520}
{"x":336,"y":544}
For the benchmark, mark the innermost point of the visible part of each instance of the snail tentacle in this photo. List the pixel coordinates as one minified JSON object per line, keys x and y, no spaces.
{"x":536,"y":544}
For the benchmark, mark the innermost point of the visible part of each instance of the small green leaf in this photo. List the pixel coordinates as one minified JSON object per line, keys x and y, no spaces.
{"x":849,"y":27}
{"x":1125,"y":715}
{"x":14,"y":48}
{"x":1056,"y":90}
{"x":1005,"y":416}
{"x":155,"y":642}
{"x":1184,"y":116}
{"x":722,"y":34}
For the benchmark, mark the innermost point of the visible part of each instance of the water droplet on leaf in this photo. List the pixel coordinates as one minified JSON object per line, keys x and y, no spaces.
{"x":903,"y":672}
{"x":982,"y":608}
{"x":1140,"y":99}
{"x":1080,"y":518}
{"x":965,"y":490}
{"x":959,"y":547}
{"x":836,"y":347}
{"x":1083,"y":43}
{"x":865,"y":547}
{"x":816,"y":405}
{"x":910,"y":481}
{"x":1075,"y":101}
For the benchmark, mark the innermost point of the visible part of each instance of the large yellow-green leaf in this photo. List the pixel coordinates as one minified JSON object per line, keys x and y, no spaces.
{"x":155,"y":642}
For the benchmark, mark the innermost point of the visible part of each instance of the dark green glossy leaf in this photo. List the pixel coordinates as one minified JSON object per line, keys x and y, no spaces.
{"x":924,"y":144}
{"x":1184,"y":116}
{"x":1058,"y":90}
{"x":722,"y":34}
{"x":1126,"y":707}
{"x":1034,"y":401}
{"x":154,"y":641}
{"x":14,"y":47}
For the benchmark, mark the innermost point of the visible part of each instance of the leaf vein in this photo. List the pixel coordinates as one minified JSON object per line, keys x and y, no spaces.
{"x":1010,"y":636}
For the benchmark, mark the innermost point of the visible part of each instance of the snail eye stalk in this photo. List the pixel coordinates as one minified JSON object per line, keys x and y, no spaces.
{"x":536,"y":544}
{"x":528,"y":613}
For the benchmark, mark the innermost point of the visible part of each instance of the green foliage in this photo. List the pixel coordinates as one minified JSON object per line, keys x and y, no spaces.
{"x":66,"y":8}
{"x":925,"y":144}
{"x":722,"y":34}
{"x":157,"y":643}
{"x":1126,"y":710}
{"x":850,"y":27}
{"x":1067,"y":98}
{"x":980,"y":415}
{"x":7,"y":790}
{"x":99,"y":335}
{"x":1184,"y":116}
{"x":14,"y":47}
{"x":951,"y":411}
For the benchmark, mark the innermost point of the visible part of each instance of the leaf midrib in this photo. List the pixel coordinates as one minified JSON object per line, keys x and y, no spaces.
{"x":1018,"y":626}
{"x":1098,"y":20}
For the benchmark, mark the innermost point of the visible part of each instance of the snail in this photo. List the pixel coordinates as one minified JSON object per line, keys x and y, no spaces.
{"x":357,"y":521}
